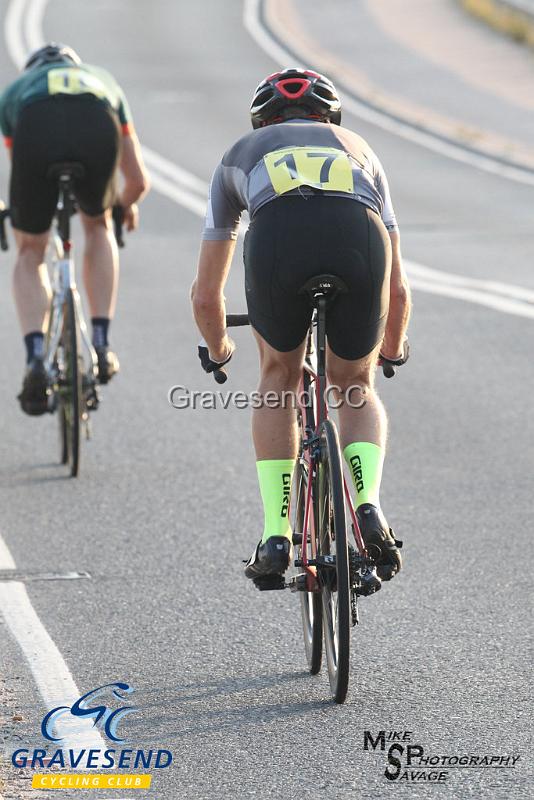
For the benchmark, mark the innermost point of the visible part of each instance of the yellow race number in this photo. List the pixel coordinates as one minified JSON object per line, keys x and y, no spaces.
{"x":74,"y":81}
{"x":325,"y":168}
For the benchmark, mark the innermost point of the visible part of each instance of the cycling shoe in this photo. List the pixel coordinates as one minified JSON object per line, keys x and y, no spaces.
{"x":271,"y":558}
{"x":379,"y":541}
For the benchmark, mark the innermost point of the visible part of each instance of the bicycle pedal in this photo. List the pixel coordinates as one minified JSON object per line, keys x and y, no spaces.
{"x":297,"y":538}
{"x":398,"y":542}
{"x":369,"y":583}
{"x":267,"y":583}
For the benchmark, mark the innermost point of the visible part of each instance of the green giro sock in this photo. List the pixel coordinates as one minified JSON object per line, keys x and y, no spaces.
{"x":275,"y":477}
{"x":365,"y":461}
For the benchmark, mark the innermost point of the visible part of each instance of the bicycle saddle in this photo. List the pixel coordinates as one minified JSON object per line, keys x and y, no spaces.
{"x":69,"y":169}
{"x":328,"y":286}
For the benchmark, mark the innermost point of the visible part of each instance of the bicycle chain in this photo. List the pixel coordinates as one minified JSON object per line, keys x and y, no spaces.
{"x":354,"y":583}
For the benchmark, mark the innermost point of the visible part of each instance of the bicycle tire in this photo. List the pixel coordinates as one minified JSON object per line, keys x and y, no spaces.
{"x":332,"y":540}
{"x":62,"y":428}
{"x":311,"y":609}
{"x":63,"y":436}
{"x":71,"y":392}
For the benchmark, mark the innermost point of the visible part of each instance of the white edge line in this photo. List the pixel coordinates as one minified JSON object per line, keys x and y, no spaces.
{"x":33,"y":24}
{"x":495,"y":287}
{"x":51,"y":674}
{"x":12,"y":32}
{"x":251,"y":21}
{"x":494,"y":302}
{"x":187,"y":186}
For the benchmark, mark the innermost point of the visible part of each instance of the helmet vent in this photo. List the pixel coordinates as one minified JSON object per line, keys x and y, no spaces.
{"x":293,"y":88}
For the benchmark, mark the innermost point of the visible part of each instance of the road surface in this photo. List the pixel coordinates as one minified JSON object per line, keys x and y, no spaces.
{"x":167,"y":505}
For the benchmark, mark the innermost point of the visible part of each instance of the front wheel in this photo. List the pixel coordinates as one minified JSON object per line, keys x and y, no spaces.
{"x":333,"y":556}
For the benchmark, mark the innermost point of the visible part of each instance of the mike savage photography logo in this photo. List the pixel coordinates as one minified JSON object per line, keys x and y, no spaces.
{"x":408,"y":761}
{"x":77,"y":731}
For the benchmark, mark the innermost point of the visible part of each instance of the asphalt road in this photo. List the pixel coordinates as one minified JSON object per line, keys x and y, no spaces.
{"x":167,"y":504}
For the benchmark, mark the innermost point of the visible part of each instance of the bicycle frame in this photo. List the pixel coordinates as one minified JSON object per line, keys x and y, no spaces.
{"x":315,"y":367}
{"x":64,"y":278}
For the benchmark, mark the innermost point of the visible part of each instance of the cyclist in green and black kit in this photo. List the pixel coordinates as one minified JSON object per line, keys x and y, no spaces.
{"x":60,"y":110}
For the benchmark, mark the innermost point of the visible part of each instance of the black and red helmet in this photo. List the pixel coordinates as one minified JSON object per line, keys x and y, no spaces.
{"x":304,"y":89}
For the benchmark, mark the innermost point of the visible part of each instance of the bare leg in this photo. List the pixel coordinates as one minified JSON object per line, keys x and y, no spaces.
{"x":100,"y":265}
{"x":31,"y":283}
{"x":274,"y":430}
{"x":369,"y":422}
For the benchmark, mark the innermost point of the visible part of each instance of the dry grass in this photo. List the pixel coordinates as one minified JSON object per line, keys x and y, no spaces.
{"x":517,"y":24}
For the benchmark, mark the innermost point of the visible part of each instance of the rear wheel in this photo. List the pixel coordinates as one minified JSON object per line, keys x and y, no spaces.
{"x":70,"y":389}
{"x":63,"y":435}
{"x":333,"y":553}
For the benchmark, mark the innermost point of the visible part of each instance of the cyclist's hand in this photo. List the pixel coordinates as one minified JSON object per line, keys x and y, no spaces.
{"x":131,"y":217}
{"x":216,"y":364}
{"x":388,"y":364}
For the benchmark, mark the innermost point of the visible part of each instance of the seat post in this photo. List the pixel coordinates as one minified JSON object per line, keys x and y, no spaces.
{"x":64,"y":209}
{"x":321,"y":301}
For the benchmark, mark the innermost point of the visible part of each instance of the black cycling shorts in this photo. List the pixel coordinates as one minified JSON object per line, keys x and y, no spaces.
{"x":62,"y":128}
{"x":292,"y":239}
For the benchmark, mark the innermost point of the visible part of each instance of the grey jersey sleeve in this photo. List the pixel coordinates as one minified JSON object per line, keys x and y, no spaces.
{"x":381,"y":182}
{"x":225,"y":206}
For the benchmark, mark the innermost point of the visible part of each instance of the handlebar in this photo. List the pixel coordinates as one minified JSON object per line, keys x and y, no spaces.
{"x":240,"y":320}
{"x":388,"y":370}
{"x":389,"y":365}
{"x":4,"y":214}
{"x":118,"y":221}
{"x":219,"y":373}
{"x":237,"y":320}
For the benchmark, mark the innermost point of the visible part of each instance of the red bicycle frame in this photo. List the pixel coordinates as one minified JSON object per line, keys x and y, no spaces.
{"x":310,"y":456}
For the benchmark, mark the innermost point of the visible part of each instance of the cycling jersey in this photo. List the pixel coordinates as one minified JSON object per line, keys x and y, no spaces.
{"x":291,"y":158}
{"x":57,"y":79}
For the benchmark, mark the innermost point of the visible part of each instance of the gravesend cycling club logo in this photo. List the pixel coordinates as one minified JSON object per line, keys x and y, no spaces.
{"x":107,"y":718}
{"x":76,"y":731}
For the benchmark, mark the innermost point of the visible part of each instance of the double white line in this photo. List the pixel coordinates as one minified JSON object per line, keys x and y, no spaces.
{"x":186,"y":189}
{"x":23,"y":33}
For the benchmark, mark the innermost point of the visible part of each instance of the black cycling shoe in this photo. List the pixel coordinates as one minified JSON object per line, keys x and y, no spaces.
{"x":36,"y":390}
{"x":379,"y":541}
{"x":271,"y":558}
{"x":108,"y":364}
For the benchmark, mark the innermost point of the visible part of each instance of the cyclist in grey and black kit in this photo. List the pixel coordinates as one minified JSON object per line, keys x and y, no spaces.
{"x":319,"y":202}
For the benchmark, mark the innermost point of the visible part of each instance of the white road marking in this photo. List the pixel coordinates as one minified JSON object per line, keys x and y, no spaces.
{"x":189,"y":191}
{"x":52,"y":675}
{"x":6,"y":559}
{"x":494,"y":302}
{"x":12,"y":32}
{"x":252,"y":22}
{"x":181,"y":176}
{"x":480,"y":284}
{"x":33,"y":24}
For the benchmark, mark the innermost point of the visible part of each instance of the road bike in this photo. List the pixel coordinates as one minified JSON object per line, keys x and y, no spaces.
{"x":332,"y":573}
{"x":70,"y":359}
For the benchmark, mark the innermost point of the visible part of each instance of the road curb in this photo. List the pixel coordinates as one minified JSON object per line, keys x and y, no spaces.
{"x":515,"y":19}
